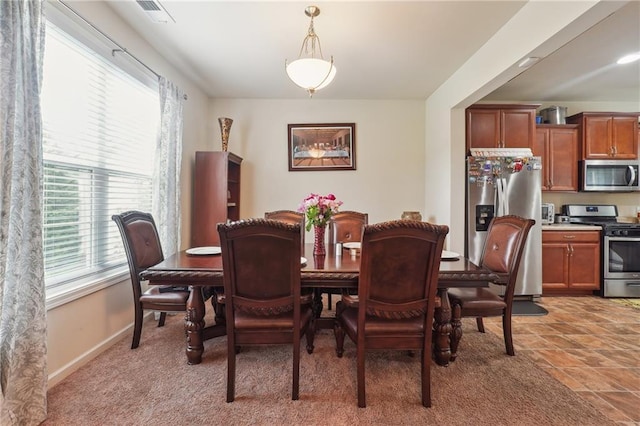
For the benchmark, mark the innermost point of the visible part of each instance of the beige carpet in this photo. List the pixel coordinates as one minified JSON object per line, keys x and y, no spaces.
{"x":154,"y":385}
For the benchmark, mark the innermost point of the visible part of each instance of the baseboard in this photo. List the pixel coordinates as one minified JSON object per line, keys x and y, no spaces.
{"x":57,"y":376}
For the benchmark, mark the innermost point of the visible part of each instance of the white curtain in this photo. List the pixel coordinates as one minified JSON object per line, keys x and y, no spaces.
{"x":23,"y":350}
{"x":166,"y":191}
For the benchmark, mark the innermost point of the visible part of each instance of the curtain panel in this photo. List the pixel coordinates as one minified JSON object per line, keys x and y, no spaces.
{"x":168,"y":160}
{"x":23,"y":369}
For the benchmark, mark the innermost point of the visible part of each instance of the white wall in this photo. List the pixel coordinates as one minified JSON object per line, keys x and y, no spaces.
{"x":389,"y":147}
{"x":79,"y":330}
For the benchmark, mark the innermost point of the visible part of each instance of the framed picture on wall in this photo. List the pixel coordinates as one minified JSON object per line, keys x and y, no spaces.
{"x":314,"y":147}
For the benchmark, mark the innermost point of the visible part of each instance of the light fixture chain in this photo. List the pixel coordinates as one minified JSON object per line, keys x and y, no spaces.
{"x":313,"y":40}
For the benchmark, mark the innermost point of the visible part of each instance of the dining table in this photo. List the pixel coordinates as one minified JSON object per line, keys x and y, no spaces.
{"x":331,"y":271}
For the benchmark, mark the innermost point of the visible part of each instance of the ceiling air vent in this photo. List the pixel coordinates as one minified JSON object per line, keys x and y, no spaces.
{"x":155,"y":11}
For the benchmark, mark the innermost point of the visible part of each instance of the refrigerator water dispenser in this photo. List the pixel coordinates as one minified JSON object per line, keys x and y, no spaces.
{"x":484,"y":214}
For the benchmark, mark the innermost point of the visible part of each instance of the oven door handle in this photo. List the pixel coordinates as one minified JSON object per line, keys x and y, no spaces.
{"x":627,"y":238}
{"x":632,"y":172}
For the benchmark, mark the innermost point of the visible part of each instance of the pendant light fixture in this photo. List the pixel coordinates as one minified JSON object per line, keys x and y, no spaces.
{"x":311,"y":71}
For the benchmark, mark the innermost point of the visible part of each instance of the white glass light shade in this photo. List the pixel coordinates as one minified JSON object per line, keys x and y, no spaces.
{"x":311,"y":73}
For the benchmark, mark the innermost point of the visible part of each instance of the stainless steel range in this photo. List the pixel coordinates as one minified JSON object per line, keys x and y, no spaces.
{"x":620,"y":247}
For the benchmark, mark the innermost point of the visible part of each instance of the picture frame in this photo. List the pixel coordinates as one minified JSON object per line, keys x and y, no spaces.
{"x":324,"y":146}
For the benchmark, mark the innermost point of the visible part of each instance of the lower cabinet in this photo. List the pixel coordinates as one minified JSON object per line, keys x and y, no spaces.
{"x":570,"y":262}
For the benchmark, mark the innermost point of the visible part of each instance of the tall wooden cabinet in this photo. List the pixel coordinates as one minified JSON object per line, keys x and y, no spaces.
{"x":216,"y":195}
{"x":500,"y":126}
{"x":607,"y":135}
{"x":558,"y":147}
{"x":570,"y":262}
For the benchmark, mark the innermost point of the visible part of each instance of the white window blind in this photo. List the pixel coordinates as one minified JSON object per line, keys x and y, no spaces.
{"x":100,"y":127}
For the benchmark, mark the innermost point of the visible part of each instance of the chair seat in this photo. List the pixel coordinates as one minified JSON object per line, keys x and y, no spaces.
{"x":246,"y":321}
{"x":155,"y":296}
{"x":377,"y":326}
{"x":479,"y":301}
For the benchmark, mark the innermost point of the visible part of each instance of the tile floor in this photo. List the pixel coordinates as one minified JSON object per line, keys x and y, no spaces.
{"x":590,"y":344}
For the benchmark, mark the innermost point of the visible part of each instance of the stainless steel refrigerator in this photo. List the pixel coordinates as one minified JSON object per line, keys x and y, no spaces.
{"x":499,"y":185}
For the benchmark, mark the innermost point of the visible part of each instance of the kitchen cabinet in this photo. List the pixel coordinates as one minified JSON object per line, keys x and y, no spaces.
{"x":216,"y":195}
{"x":607,"y":135}
{"x":570,"y":262}
{"x":500,"y":126}
{"x":558,"y":147}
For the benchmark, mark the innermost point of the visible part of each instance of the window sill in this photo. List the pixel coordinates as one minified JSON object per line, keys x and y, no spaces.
{"x":59,"y":296}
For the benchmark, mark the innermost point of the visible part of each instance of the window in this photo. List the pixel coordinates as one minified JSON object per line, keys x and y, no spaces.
{"x":100,"y":127}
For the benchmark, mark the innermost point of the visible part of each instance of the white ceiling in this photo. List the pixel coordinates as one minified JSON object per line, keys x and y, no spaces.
{"x":585,"y":68}
{"x":382,"y":49}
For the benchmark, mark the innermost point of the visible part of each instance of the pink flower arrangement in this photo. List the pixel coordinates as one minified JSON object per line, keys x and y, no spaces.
{"x":319,"y":208}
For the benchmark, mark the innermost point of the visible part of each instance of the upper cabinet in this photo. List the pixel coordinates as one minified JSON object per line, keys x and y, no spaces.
{"x":558,"y":147}
{"x":606,"y":135}
{"x":500,"y":126}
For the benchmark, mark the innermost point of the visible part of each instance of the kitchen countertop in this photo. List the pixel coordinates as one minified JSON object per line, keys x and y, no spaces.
{"x":570,"y":227}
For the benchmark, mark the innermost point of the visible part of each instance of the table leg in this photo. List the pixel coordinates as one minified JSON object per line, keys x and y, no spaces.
{"x":442,"y":328}
{"x":194,"y":323}
{"x":456,"y":332}
{"x":218,"y":308}
{"x":317,"y":302}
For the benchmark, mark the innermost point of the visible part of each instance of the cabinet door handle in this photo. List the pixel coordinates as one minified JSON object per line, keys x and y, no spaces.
{"x":568,"y":237}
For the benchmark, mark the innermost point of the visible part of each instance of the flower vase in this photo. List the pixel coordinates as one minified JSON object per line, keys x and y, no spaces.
{"x":318,"y":242}
{"x":225,"y":128}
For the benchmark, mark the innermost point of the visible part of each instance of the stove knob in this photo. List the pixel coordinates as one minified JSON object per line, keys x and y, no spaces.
{"x":625,"y":232}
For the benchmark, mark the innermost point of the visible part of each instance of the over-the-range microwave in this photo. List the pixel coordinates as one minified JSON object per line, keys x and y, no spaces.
{"x":609,"y":175}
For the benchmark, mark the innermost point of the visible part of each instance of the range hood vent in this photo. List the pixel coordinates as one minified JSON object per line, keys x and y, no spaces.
{"x":155,"y":11}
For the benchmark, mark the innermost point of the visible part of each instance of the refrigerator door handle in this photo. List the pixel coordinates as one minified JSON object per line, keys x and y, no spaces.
{"x":505,"y":204}
{"x":498,"y":198}
{"x":502,"y":207}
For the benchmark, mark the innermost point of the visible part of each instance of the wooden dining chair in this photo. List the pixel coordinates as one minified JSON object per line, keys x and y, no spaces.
{"x":289,"y":216}
{"x":395,"y":304}
{"x":502,"y":251}
{"x":261,"y":263}
{"x":143,"y":249}
{"x":345,"y":227}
